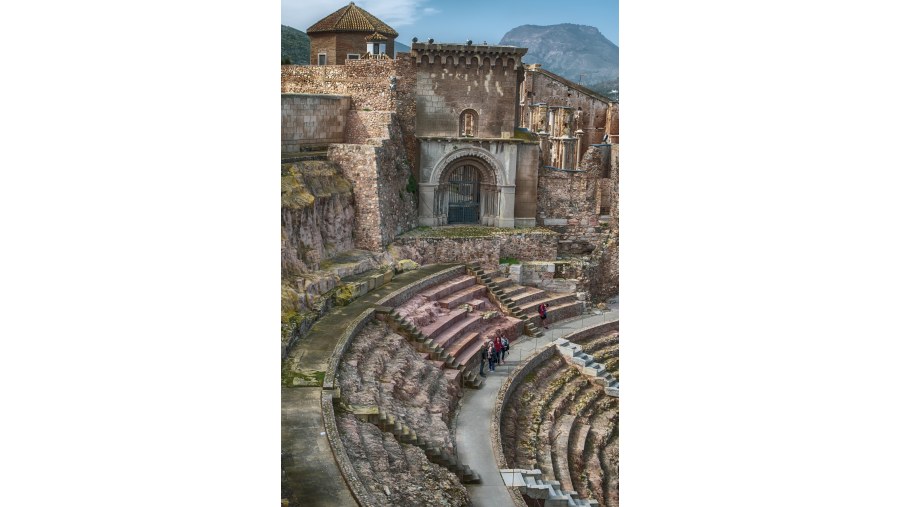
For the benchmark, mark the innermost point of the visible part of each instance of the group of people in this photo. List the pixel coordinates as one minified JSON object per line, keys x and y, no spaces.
{"x":494,"y":352}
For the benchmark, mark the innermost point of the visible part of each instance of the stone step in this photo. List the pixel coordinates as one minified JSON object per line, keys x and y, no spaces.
{"x":457,"y":298}
{"x":453,"y":375}
{"x":557,"y":313}
{"x":463,"y":342}
{"x":514,"y":290}
{"x":494,"y":273}
{"x":449,"y":287}
{"x":503,"y":282}
{"x":459,"y":329}
{"x":551,"y":300}
{"x":528,"y":295}
{"x":443,"y":323}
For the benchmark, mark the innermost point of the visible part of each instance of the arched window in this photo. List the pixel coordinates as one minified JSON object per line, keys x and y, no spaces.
{"x":468,"y":123}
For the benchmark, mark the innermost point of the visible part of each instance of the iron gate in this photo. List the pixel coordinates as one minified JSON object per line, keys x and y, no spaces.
{"x":464,"y":196}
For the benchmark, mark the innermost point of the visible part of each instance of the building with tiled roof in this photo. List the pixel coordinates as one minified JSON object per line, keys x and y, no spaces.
{"x":348,"y":34}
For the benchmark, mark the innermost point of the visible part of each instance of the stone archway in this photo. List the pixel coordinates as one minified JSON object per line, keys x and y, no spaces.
{"x":472,"y":182}
{"x":466,"y":192}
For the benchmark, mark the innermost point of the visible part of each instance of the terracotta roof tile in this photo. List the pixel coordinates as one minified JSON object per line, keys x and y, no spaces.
{"x":352,"y":19}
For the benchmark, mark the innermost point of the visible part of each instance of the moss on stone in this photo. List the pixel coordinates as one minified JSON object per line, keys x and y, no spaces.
{"x":471,"y":231}
{"x":303,"y":182}
{"x":344,"y":295}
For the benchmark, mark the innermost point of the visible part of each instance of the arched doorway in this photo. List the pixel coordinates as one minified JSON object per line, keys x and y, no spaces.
{"x":465,"y":195}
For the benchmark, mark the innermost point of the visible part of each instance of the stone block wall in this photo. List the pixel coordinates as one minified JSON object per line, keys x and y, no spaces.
{"x":543,"y":275}
{"x":312,"y":120}
{"x":569,"y":204}
{"x":380,"y":174}
{"x":486,"y":250}
{"x":452,"y":78}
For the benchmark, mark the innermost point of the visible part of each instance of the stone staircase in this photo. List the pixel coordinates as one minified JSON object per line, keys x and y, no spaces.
{"x":500,"y":297}
{"x":531,"y":483}
{"x":585,"y":363}
{"x":389,"y":423}
{"x":453,"y":364}
{"x":522,"y":301}
{"x":458,"y":333}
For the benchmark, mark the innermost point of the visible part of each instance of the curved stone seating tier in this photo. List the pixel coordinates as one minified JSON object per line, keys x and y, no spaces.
{"x":560,"y":438}
{"x":396,"y":473}
{"x":564,"y":423}
{"x":449,"y":287}
{"x":551,"y":299}
{"x":526,"y":295}
{"x":457,"y":298}
{"x":383,"y":370}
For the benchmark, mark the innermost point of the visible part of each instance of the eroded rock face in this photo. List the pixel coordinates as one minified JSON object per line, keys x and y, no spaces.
{"x":382,"y":369}
{"x":316,"y":215}
{"x":397,"y":474}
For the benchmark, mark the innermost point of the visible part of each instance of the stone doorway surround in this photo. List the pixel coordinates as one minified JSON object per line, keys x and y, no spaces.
{"x":497,"y":184}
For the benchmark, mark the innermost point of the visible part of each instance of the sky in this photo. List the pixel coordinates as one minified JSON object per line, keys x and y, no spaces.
{"x":460,"y":20}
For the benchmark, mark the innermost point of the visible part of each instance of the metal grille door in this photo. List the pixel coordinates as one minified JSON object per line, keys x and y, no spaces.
{"x":464,"y":196}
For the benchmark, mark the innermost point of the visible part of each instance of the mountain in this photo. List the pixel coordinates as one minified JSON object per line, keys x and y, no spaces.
{"x":400,"y":48}
{"x":576,"y":52}
{"x":294,"y":46}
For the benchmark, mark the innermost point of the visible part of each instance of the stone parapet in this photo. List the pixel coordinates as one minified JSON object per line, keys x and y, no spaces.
{"x":351,"y":478}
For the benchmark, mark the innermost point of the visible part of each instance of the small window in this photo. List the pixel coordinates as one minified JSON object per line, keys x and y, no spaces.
{"x":353,"y":56}
{"x":323,"y":59}
{"x":372,"y":47}
{"x":468,"y":123}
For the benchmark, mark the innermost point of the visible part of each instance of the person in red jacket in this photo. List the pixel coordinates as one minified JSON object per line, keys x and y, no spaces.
{"x":542,"y":311}
{"x":498,"y":347}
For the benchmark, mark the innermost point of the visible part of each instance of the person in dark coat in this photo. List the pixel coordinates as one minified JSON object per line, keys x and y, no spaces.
{"x":491,"y":356}
{"x":484,"y":356}
{"x":542,"y":311}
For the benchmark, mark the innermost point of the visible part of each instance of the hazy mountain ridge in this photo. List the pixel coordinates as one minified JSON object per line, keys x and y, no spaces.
{"x":579,"y":53}
{"x":294,"y":46}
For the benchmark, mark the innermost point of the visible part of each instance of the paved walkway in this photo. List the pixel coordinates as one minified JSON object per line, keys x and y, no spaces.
{"x":311,"y":474}
{"x":473,"y":423}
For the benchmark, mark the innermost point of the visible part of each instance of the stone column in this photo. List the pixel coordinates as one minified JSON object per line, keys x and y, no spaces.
{"x":507,"y":206}
{"x":426,"y":204}
{"x":579,"y":136}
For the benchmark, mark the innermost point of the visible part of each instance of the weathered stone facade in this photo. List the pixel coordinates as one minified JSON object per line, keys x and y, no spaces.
{"x":308,"y":119}
{"x":487,"y":250}
{"x":572,"y":202}
{"x":415,"y":121}
{"x":568,"y":117}
{"x":466,"y":97}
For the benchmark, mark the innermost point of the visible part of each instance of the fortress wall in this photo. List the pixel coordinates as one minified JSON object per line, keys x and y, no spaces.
{"x":312,"y":120}
{"x":488,"y":250}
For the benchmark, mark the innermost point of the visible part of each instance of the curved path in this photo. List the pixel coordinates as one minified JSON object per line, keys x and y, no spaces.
{"x":311,"y":474}
{"x":473,"y":423}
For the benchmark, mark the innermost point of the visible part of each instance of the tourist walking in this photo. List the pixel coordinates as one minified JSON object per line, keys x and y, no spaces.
{"x":498,"y":348}
{"x":504,"y":343}
{"x":484,"y":355}
{"x":490,"y":356}
{"x":542,"y":311}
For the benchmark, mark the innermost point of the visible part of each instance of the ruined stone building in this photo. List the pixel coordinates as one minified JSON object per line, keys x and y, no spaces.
{"x":447,"y":134}
{"x":395,"y":173}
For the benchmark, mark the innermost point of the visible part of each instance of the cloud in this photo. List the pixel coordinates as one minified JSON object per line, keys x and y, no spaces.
{"x":301,"y":14}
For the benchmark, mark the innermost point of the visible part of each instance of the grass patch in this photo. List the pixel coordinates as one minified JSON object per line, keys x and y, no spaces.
{"x":509,"y":260}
